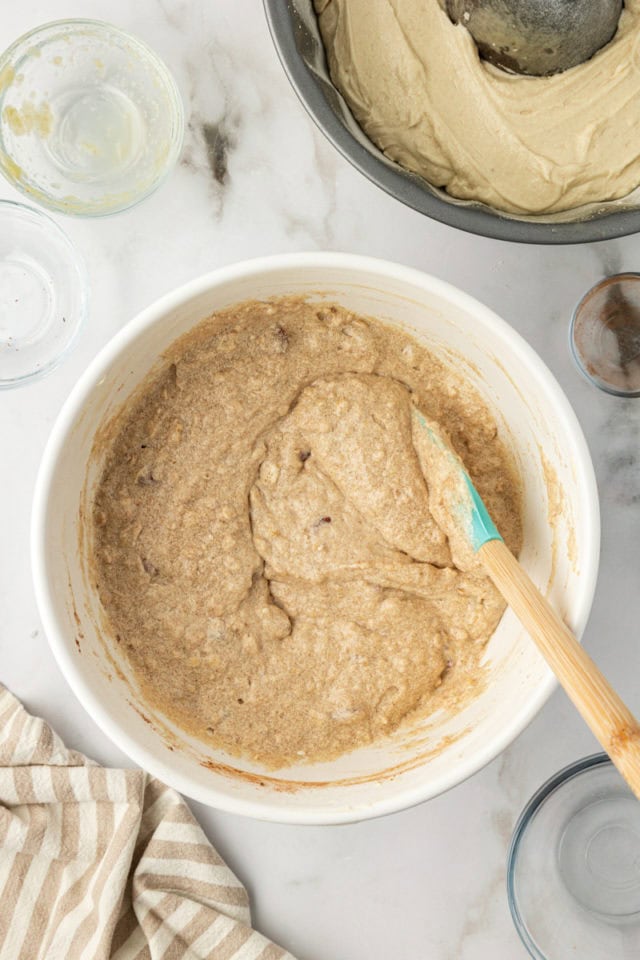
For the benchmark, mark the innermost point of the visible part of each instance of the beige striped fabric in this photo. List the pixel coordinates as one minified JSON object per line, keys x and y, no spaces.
{"x":98,"y":863}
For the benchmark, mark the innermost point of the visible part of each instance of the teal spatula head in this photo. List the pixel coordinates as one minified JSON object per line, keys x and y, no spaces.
{"x":454,"y":501}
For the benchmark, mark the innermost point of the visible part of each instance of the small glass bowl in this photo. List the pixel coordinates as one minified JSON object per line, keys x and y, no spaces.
{"x":43,"y":294}
{"x":605,"y":335}
{"x":91,"y":120}
{"x":573,"y":873}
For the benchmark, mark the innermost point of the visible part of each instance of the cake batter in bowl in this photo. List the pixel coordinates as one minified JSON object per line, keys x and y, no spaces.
{"x":265,"y":538}
{"x":416,"y":760}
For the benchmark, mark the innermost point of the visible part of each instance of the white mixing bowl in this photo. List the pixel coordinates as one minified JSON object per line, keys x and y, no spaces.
{"x":561,"y":544}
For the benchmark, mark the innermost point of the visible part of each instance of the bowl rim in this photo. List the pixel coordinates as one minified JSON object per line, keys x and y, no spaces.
{"x":405,"y":187}
{"x":63,"y":648}
{"x":31,"y":189}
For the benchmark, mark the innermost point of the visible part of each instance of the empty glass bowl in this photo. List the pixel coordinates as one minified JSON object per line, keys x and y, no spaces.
{"x":574,"y":866}
{"x":43,"y":294}
{"x":91,"y":120}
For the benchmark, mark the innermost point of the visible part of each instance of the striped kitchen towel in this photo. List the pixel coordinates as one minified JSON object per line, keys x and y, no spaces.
{"x":98,"y":863}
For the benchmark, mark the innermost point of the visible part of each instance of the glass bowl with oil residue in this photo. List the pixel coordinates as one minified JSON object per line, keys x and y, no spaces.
{"x":91,"y":120}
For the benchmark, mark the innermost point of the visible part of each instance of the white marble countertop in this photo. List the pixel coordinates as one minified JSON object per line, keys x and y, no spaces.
{"x":429,"y":882}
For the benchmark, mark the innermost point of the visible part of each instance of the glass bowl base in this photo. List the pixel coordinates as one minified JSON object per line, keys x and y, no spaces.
{"x":574,"y":866}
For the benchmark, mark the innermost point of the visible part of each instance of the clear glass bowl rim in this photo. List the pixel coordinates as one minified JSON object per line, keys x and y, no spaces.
{"x":595,"y":381}
{"x":80,"y":267}
{"x":178,"y":126}
{"x":541,"y":795}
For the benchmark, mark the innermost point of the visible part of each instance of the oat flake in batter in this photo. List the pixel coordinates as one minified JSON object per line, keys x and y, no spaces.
{"x":264,"y":548}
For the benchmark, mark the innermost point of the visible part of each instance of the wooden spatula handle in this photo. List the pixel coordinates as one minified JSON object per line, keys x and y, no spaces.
{"x":609,"y":719}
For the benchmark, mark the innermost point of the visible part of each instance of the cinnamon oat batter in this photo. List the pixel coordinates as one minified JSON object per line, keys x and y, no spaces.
{"x":264,"y":547}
